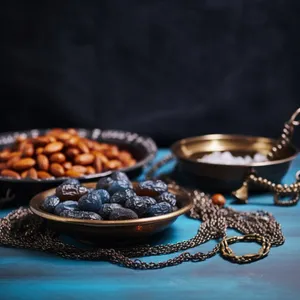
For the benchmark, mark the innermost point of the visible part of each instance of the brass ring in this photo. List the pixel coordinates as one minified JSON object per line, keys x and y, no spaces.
{"x":228,"y":254}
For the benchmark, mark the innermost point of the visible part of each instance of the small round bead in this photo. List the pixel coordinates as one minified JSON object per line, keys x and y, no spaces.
{"x":218,"y":199}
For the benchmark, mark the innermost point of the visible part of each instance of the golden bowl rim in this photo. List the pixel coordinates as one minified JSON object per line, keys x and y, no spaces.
{"x":37,"y":199}
{"x":217,"y":136}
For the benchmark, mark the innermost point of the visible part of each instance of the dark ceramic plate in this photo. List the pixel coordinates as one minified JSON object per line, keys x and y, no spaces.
{"x":15,"y":192}
{"x":94,"y":231}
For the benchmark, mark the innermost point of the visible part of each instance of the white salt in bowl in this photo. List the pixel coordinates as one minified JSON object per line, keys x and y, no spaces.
{"x":220,"y":162}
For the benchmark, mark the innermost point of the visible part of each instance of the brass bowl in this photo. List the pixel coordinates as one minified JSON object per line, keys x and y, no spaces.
{"x":110,"y":232}
{"x":226,"y":178}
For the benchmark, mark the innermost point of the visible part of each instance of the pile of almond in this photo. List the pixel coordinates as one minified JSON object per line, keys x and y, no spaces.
{"x":60,"y":153}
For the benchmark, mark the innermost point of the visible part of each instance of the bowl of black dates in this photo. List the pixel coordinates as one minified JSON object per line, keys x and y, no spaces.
{"x":37,"y":160}
{"x":114,"y":208}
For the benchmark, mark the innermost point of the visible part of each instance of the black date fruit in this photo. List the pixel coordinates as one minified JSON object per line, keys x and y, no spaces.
{"x":67,"y":205}
{"x":151,"y":188}
{"x":78,"y":214}
{"x":149,"y":200}
{"x":50,"y":203}
{"x":71,"y":181}
{"x":119,"y":176}
{"x":140,"y":204}
{"x":70,"y":192}
{"x":91,"y":201}
{"x":159,"y":209}
{"x":104,"y":183}
{"x":118,"y":186}
{"x":167,"y":197}
{"x":122,"y":214}
{"x":122,"y":196}
{"x":107,"y":208}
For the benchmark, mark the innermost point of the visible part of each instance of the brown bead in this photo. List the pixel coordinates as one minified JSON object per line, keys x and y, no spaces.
{"x":58,"y":158}
{"x":10,"y":173}
{"x":43,"y":162}
{"x":218,"y":199}
{"x":32,"y":173}
{"x":57,"y":170}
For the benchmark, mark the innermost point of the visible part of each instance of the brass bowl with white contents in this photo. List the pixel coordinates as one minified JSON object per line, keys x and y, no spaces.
{"x":228,"y":177}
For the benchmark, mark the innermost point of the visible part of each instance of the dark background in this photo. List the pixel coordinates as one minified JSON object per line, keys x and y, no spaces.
{"x":169,"y":69}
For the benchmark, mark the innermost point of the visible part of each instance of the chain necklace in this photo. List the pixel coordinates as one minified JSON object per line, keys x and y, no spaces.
{"x":22,"y":229}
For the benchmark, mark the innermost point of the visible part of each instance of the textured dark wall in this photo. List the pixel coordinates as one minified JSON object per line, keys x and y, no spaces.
{"x":166,"y":68}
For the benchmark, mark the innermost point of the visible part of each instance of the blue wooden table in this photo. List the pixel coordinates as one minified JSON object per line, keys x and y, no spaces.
{"x":32,"y":275}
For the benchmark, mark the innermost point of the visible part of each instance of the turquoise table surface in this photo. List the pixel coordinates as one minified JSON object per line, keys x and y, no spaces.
{"x":33,"y":275}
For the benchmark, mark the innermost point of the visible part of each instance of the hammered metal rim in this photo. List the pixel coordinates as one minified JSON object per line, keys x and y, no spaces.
{"x":36,"y":201}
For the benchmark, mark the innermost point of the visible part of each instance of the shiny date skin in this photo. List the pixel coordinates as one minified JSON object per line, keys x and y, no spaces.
{"x":104,"y":183}
{"x":50,"y":203}
{"x":119,"y":185}
{"x":93,"y":200}
{"x":77,"y":214}
{"x":107,"y":208}
{"x":67,"y":205}
{"x":167,"y":197}
{"x":122,"y":196}
{"x":159,"y":209}
{"x":70,"y":192}
{"x":119,"y":176}
{"x":139,"y":204}
{"x":122,"y":214}
{"x":151,"y":188}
